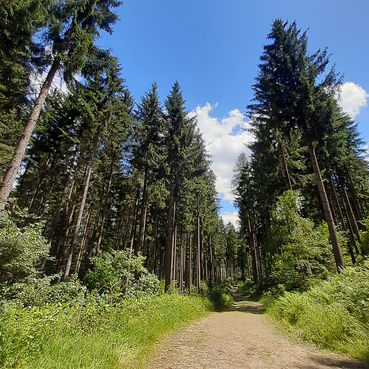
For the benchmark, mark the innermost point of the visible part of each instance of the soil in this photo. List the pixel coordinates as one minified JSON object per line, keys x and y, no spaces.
{"x":241,"y":338}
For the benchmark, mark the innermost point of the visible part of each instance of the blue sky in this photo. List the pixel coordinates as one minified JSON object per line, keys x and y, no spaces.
{"x":212,"y":47}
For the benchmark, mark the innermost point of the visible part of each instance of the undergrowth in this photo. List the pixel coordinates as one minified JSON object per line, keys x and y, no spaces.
{"x":221,"y":295}
{"x":334,"y":314}
{"x":91,"y":334}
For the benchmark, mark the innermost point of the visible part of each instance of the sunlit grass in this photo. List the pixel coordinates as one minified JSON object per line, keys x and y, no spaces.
{"x":91,"y":335}
{"x":334,"y":314}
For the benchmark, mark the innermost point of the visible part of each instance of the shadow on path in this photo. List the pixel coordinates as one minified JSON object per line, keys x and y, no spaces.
{"x":247,"y":306}
{"x":335,"y":363}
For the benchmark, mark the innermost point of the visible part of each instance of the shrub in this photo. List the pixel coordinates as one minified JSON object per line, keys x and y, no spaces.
{"x":39,"y":291}
{"x":118,"y":274}
{"x":221,"y":295}
{"x":301,"y":253}
{"x":20,"y":249}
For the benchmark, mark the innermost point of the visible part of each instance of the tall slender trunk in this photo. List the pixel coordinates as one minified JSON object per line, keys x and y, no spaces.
{"x":285,"y":166}
{"x":189,"y":265}
{"x":348,"y":229}
{"x":86,"y":185}
{"x":343,"y":227}
{"x":326,"y":208}
{"x":134,"y":220}
{"x":20,"y":150}
{"x":174,"y":251}
{"x":79,"y":217}
{"x":143,"y":216}
{"x":255,"y":272}
{"x":358,"y":207}
{"x":181,"y":265}
{"x":104,"y":208}
{"x":82,"y":247}
{"x":169,"y":243}
{"x":198,"y":255}
{"x":352,"y":215}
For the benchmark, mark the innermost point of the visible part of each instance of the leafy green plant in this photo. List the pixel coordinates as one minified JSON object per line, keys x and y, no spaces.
{"x":118,"y":274}
{"x":221,"y":295}
{"x":301,"y":252}
{"x":333,"y":314}
{"x":20,"y":249}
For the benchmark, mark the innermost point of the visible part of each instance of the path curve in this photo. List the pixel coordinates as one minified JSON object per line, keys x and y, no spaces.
{"x":242,"y":338}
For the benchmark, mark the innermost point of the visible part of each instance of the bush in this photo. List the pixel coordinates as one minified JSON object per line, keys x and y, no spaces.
{"x":221,"y":295}
{"x":20,"y":249}
{"x":333,"y":314}
{"x":39,"y":291}
{"x":301,"y":253}
{"x":118,"y":274}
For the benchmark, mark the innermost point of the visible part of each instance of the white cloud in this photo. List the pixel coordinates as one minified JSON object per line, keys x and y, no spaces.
{"x":225,"y":140}
{"x":231,"y":217}
{"x":352,"y":98}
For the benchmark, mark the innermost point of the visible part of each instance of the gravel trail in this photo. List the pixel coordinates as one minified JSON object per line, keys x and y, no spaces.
{"x":241,"y":338}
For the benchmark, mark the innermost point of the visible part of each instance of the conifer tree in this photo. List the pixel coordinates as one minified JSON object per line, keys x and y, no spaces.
{"x":71,"y":31}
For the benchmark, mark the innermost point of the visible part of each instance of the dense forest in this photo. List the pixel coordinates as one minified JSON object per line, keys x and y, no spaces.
{"x":305,"y":185}
{"x":105,"y":196}
{"x":101,"y":171}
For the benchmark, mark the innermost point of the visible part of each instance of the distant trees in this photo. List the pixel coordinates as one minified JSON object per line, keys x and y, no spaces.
{"x":103,"y":175}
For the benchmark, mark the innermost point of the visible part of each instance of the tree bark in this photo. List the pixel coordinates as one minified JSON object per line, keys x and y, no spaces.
{"x":189,"y":265}
{"x":20,"y":150}
{"x":104,"y":209}
{"x":285,"y":166}
{"x":79,"y":217}
{"x":169,"y":243}
{"x":198,"y":255}
{"x":352,"y":215}
{"x":134,"y":220}
{"x":327,"y":210}
{"x":83,"y":242}
{"x":255,"y":272}
{"x":143,"y":216}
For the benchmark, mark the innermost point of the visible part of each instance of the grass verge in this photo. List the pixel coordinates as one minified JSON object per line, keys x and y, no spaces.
{"x":334,"y":314}
{"x":92,"y":335}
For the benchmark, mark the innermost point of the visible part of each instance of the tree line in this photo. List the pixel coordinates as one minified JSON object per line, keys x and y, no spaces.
{"x":101,"y":171}
{"x":307,"y":178}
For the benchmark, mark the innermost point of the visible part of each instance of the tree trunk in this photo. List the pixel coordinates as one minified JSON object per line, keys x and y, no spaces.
{"x":134,"y":220}
{"x":181,"y":265}
{"x":198,"y":255}
{"x":104,"y":209}
{"x":352,"y":216}
{"x":255,"y":272}
{"x":347,"y":229}
{"x":20,"y":151}
{"x":169,"y":243}
{"x":83,"y":242}
{"x":327,"y":211}
{"x":79,"y":218}
{"x":174,"y":251}
{"x":357,"y":203}
{"x":189,"y":265}
{"x":143,"y":216}
{"x":285,"y":166}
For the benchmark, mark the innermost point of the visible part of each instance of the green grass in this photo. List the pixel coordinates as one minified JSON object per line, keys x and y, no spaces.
{"x":334,"y":314}
{"x":92,"y":335}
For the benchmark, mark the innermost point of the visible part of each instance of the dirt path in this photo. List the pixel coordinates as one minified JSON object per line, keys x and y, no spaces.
{"x":241,"y":338}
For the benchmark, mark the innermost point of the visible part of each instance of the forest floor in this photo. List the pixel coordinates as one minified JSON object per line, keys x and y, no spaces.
{"x":242,"y":337}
